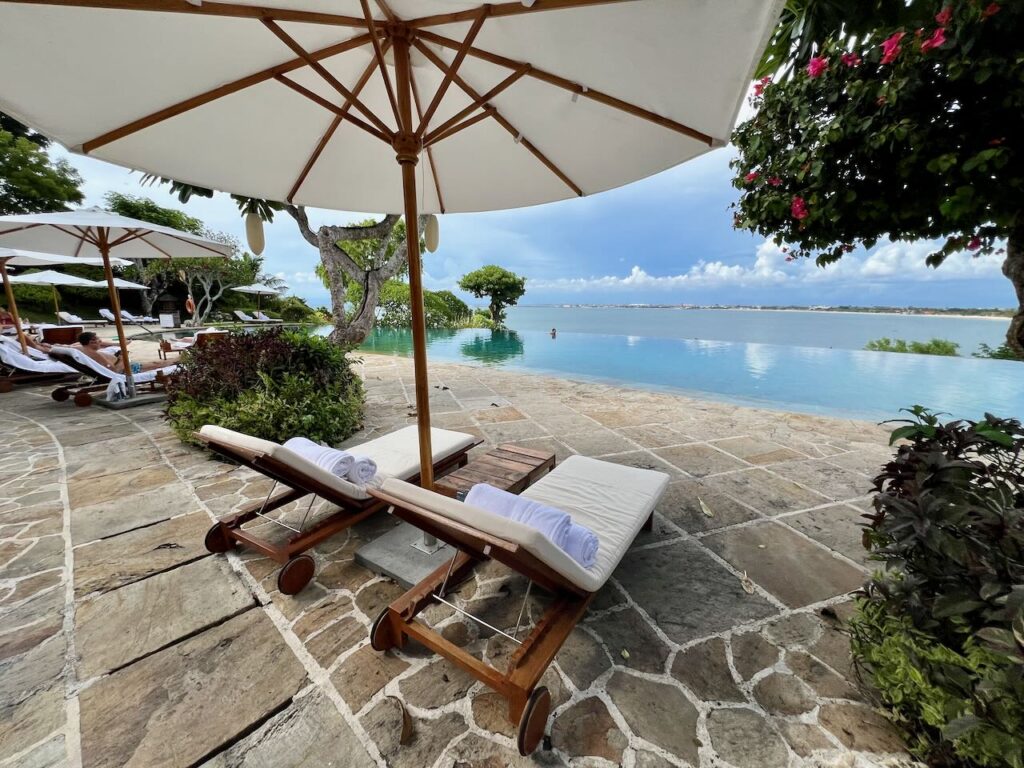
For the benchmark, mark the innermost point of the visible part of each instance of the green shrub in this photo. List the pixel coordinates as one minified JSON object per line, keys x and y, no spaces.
{"x":274,"y":384}
{"x":1002,"y":352}
{"x":941,"y":347}
{"x":941,"y":629}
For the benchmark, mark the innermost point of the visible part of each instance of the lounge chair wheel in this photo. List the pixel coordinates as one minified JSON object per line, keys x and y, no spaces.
{"x":217,"y":540}
{"x":533,"y":720}
{"x":295,"y":574}
{"x":380,"y":632}
{"x":6,"y":386}
{"x":60,"y":394}
{"x":83,"y":399}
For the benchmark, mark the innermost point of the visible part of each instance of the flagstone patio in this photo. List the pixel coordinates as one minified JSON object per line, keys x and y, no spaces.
{"x":718,"y":642}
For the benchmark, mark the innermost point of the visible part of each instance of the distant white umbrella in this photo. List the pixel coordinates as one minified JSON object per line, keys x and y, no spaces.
{"x":53,"y":279}
{"x":18,"y":257}
{"x":121,"y":284}
{"x":508,"y":104}
{"x":257,"y":289}
{"x":93,"y":232}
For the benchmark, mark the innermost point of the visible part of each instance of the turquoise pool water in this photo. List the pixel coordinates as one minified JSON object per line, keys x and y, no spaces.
{"x":843,"y":382}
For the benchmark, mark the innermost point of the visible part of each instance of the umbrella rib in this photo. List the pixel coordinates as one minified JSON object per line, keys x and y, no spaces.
{"x":430,"y":152}
{"x":451,"y":71}
{"x":453,"y":122}
{"x":494,"y":113}
{"x":386,"y":10}
{"x":378,"y":53}
{"x":517,"y":8}
{"x":321,"y":70}
{"x":437,"y":137}
{"x":222,"y":90}
{"x":322,"y":144}
{"x":572,"y":87}
{"x":229,"y":10}
{"x":154,"y":246}
{"x":318,"y":99}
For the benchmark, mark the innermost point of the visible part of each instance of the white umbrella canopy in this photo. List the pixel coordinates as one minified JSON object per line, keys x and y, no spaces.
{"x":121,"y":284}
{"x":257,"y":289}
{"x":656,"y":83}
{"x":314,"y":101}
{"x":50,"y":277}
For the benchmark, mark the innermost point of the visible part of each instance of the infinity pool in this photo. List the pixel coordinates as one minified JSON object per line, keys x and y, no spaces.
{"x":871,"y":385}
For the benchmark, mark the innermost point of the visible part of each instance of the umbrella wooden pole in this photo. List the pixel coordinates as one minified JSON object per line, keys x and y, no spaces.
{"x":12,"y":307}
{"x":56,"y":304}
{"x":407,"y":150}
{"x":115,"y":306}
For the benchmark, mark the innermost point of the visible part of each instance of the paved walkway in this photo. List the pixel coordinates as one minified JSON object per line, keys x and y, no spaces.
{"x":717,"y":642}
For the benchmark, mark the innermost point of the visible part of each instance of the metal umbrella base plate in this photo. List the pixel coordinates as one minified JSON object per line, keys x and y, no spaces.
{"x":130,"y":402}
{"x":400,"y":554}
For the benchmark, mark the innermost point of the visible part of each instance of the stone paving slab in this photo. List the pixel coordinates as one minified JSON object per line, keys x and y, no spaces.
{"x":125,"y":624}
{"x":177,"y":706}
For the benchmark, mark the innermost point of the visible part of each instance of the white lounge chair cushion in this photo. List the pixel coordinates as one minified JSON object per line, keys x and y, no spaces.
{"x":34,"y":353}
{"x":102,"y":371}
{"x":13,"y":358}
{"x":612,"y":500}
{"x":396,"y":454}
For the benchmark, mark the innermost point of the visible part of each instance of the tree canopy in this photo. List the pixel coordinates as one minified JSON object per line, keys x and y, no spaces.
{"x":30,"y":181}
{"x":917,"y":136}
{"x":504,"y":288}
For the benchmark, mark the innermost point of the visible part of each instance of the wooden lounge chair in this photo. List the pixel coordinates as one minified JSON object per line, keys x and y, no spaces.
{"x":612,"y":500}
{"x":396,"y":454}
{"x":17,"y":368}
{"x":100,"y":377}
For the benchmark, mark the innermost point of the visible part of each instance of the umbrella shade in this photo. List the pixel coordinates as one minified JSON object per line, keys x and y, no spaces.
{"x":121,"y":283}
{"x":513,"y":104}
{"x":16,"y":257}
{"x":49,"y":277}
{"x":256,"y":288}
{"x":601,"y":93}
{"x":66,"y":232}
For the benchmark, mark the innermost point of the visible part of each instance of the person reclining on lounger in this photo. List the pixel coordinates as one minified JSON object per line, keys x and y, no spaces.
{"x":92,"y":345}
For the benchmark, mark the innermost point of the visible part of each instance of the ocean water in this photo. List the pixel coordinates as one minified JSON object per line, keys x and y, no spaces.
{"x":796,"y":371}
{"x":833,"y":330}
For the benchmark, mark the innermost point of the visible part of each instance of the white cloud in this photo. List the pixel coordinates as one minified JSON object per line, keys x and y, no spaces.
{"x":891,"y":263}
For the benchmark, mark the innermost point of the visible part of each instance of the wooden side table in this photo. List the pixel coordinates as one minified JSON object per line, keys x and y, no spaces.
{"x":509,"y":467}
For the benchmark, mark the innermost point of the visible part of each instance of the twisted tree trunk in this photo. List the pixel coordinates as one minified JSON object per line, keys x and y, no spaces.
{"x":1013,"y":268}
{"x":352,"y":329}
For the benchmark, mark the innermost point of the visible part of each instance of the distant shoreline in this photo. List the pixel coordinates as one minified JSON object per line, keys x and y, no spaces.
{"x":963,"y":314}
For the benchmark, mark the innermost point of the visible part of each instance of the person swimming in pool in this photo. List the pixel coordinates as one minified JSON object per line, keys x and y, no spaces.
{"x":554,"y":332}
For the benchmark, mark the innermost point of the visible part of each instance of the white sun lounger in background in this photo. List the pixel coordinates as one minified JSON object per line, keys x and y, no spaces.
{"x":17,"y":368}
{"x":126,"y":315}
{"x":71,"y":319}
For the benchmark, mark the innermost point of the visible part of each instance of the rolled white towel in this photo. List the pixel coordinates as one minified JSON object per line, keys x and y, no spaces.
{"x":363,"y":470}
{"x":581,"y":545}
{"x":338,"y":463}
{"x":555,"y":524}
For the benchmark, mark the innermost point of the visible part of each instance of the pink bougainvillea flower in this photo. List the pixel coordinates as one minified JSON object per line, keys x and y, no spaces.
{"x":799,"y":208}
{"x":775,"y":181}
{"x":891,"y":47}
{"x":944,"y":16}
{"x":791,"y":258}
{"x":816,"y":66}
{"x":752,"y":176}
{"x":760,"y":85}
{"x":975,"y":243}
{"x":937,"y":39}
{"x":991,"y":10}
{"x":850,"y":59}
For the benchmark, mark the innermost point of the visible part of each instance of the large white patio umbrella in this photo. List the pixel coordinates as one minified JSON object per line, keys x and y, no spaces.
{"x":513,"y":104}
{"x":257,"y":289}
{"x":94,"y":233}
{"x":17,"y":257}
{"x":52,"y":278}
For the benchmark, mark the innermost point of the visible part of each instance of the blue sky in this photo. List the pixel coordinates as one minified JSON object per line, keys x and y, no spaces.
{"x":666,"y":239}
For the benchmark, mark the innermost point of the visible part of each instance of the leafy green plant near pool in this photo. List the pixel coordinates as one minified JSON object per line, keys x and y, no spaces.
{"x":274,"y":384}
{"x":933,"y":347}
{"x":940,"y":630}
